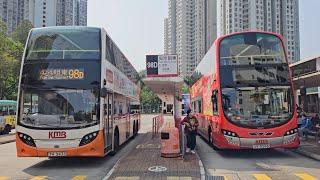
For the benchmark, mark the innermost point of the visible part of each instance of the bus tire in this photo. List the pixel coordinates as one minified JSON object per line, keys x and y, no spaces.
{"x":216,"y":148}
{"x":137,"y":127}
{"x":134,"y":130}
{"x":116,"y":143}
{"x":209,"y":136}
{"x":211,"y":143}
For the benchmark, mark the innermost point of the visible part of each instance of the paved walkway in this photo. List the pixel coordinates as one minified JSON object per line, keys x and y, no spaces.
{"x":146,"y":157}
{"x":309,"y":148}
{"x":7,"y":138}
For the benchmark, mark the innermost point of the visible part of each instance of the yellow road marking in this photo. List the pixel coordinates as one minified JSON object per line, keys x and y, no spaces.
{"x":305,"y":176}
{"x":261,"y":177}
{"x":39,"y":178}
{"x":79,"y":178}
{"x":179,"y":178}
{"x":127,"y":178}
{"x":4,"y":178}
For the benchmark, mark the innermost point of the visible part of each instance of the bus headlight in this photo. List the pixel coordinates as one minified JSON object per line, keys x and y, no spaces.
{"x":291,"y":131}
{"x":229,"y":133}
{"x":88,"y":138}
{"x":27,"y":139}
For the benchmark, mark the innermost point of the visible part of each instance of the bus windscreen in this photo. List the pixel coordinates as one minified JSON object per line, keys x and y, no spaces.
{"x":64,"y":43}
{"x":255,"y":83}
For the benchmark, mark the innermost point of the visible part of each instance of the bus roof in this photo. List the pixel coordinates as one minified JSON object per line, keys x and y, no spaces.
{"x":7,"y":102}
{"x":66,"y":27}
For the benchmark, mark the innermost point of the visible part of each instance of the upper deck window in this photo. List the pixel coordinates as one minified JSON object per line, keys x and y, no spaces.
{"x":64,"y":43}
{"x":251,"y":49}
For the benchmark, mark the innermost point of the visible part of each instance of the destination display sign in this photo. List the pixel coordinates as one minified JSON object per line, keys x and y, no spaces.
{"x":162,"y":65}
{"x":61,"y":74}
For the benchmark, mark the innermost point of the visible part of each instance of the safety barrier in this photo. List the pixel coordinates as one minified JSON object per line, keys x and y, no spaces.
{"x":157,"y":122}
{"x":170,"y":146}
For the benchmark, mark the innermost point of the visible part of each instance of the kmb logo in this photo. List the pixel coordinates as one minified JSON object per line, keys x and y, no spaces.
{"x":57,"y":134}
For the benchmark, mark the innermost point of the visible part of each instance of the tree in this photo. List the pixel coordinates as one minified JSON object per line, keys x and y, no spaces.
{"x":10,"y":56}
{"x":185,"y":89}
{"x":22,"y":31}
{"x":147,"y":97}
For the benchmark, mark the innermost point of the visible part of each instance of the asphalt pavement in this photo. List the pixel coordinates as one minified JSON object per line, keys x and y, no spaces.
{"x":257,"y":164}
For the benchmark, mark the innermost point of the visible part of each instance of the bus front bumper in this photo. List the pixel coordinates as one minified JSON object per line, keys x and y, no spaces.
{"x":290,"y":141}
{"x":93,"y":149}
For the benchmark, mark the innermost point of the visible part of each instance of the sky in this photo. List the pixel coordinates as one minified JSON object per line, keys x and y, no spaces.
{"x":136,"y":26}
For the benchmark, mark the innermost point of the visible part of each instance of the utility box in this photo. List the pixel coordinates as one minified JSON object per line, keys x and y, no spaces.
{"x":170,"y":142}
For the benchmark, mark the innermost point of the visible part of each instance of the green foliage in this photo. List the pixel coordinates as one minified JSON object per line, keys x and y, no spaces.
{"x":10,"y":57}
{"x":22,"y":31}
{"x":190,"y":80}
{"x":147,"y":97}
{"x":185,"y":89}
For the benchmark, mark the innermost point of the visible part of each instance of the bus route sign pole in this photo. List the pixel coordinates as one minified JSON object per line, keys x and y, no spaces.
{"x":183,"y":150}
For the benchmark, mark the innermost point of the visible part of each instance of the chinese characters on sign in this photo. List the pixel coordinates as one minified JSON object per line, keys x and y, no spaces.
{"x":61,"y":74}
{"x":162,"y":65}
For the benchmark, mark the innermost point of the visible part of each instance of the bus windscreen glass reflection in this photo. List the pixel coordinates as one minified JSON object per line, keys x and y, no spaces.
{"x":64,"y":108}
{"x":64,"y":43}
{"x":255,"y":80}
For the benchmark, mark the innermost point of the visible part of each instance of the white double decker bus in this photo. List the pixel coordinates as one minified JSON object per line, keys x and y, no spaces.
{"x":78,"y":94}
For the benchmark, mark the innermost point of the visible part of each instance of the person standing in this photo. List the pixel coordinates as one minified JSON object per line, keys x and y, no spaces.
{"x":191,"y":126}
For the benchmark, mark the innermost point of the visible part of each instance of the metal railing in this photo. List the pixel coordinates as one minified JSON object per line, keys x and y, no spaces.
{"x":157,"y":123}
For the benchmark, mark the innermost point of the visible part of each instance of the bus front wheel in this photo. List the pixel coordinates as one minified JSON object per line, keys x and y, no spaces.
{"x":116,"y":143}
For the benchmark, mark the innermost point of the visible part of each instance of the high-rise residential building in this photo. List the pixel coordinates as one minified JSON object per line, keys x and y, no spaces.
{"x":42,"y":13}
{"x":185,"y":36}
{"x":211,"y":22}
{"x":189,"y":31}
{"x":82,"y":12}
{"x":280,"y":16}
{"x":199,"y":30}
{"x":9,"y":13}
{"x":166,"y":36}
{"x":171,"y":28}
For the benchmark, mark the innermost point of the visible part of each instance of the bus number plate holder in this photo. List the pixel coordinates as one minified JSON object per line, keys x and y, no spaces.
{"x":57,"y":154}
{"x":261,"y":146}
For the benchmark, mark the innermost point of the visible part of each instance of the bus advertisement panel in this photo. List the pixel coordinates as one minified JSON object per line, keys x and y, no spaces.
{"x":243,"y":95}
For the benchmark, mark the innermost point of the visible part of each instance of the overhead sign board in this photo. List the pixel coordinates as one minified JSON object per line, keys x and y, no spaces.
{"x":162,"y":65}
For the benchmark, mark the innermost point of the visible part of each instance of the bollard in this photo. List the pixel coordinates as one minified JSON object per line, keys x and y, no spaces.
{"x":182,"y":141}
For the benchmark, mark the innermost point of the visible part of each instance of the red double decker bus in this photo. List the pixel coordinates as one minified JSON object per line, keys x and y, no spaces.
{"x":242,"y":93}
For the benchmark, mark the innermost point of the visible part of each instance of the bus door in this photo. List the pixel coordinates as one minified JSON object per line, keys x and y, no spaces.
{"x":108,"y":110}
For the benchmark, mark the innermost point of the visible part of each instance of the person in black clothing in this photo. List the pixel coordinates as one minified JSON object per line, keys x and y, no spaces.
{"x":191,"y":124}
{"x":315,"y":120}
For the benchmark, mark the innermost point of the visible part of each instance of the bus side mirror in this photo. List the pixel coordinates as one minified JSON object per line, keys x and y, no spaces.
{"x":103,"y":92}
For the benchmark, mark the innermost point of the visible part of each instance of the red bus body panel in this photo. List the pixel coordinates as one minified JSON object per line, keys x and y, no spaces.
{"x":211,"y":126}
